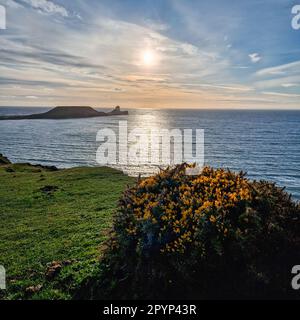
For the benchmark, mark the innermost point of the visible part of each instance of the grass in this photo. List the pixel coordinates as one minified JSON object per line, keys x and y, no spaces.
{"x":51,"y":216}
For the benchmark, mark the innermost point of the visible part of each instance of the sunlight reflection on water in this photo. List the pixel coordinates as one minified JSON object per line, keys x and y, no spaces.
{"x":265,"y":144}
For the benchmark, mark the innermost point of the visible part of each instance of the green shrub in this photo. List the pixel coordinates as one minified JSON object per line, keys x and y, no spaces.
{"x":215,"y":235}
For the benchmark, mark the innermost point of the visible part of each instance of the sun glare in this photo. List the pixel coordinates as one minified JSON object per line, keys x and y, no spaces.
{"x":148,"y":58}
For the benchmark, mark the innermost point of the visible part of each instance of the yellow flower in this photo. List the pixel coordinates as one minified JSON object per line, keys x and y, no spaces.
{"x":212,"y":219}
{"x":179,"y":206}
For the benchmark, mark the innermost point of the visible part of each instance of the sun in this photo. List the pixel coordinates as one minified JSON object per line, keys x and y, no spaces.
{"x":148,"y":58}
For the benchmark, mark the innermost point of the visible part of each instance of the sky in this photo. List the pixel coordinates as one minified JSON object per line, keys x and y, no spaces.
{"x":150,"y":54}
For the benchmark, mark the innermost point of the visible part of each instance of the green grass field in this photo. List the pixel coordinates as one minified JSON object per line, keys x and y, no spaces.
{"x":49,"y":216}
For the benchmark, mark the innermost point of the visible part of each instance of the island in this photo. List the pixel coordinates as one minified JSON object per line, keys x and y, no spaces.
{"x":68,"y":112}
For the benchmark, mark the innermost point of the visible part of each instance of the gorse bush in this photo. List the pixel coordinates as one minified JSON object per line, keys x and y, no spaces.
{"x":214,"y":235}
{"x":172,"y":212}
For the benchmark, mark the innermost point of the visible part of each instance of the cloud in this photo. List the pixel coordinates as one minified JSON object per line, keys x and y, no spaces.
{"x":293,"y":67}
{"x":97,"y":59}
{"x":225,"y":87}
{"x":240,"y":67}
{"x":31,"y":97}
{"x":156,"y":26}
{"x":280,"y":94}
{"x":278,"y":82}
{"x":47,"y":6}
{"x":254,"y":57}
{"x":12,"y":4}
{"x":279,"y":78}
{"x":189,"y":49}
{"x":289,"y":85}
{"x":57,"y":57}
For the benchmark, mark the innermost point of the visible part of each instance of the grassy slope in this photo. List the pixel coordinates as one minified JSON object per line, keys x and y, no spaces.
{"x":69,"y":223}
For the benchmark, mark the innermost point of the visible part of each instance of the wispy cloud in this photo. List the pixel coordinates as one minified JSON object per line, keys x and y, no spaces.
{"x":225,"y":87}
{"x":254,"y":57}
{"x":46,"y":6}
{"x":31,"y":97}
{"x":97,"y":59}
{"x":280,"y":94}
{"x":289,"y":85}
{"x":293,"y":67}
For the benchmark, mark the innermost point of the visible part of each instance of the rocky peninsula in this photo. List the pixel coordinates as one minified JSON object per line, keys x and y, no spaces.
{"x":68,"y":112}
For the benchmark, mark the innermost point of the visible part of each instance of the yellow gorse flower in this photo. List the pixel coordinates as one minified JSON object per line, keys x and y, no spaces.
{"x":176,"y":204}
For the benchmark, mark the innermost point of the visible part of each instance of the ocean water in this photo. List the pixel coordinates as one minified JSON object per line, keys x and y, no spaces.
{"x":265,"y":144}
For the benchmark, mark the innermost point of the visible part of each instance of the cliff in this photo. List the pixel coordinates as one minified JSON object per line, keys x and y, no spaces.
{"x":3,"y":159}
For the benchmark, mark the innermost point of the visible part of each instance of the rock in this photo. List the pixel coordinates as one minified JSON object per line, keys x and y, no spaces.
{"x":67,"y":262}
{"x":49,"y":189}
{"x":4,"y":160}
{"x":117,"y":112}
{"x":33,"y":289}
{"x":53,"y":269}
{"x":48,"y":168}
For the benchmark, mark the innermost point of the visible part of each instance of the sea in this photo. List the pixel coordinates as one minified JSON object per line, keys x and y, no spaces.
{"x":263,"y":143}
